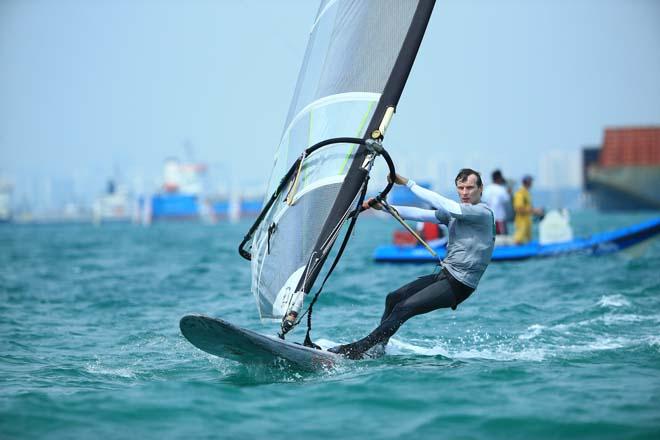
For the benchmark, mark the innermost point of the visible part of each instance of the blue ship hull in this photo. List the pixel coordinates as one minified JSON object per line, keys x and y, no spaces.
{"x":221,"y":209}
{"x":597,"y":244}
{"x":251,"y":208}
{"x":174,"y":207}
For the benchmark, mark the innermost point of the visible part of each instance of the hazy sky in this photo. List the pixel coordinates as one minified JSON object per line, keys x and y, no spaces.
{"x":88,"y":87}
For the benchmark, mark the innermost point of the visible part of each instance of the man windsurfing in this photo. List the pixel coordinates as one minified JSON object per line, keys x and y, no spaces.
{"x":469,"y":249}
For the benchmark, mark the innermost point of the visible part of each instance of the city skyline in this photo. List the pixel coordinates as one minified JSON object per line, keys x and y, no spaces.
{"x":53,"y":194}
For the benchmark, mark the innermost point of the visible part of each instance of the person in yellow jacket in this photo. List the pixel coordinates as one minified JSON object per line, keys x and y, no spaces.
{"x":522,"y":206}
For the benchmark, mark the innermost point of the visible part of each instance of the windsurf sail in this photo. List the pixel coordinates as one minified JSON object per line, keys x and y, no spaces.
{"x":357,"y":61}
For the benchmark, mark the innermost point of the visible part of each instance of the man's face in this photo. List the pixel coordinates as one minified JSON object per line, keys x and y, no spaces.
{"x":468,"y":191}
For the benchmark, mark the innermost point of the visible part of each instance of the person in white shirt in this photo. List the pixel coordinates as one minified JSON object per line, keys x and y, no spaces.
{"x":498,"y":197}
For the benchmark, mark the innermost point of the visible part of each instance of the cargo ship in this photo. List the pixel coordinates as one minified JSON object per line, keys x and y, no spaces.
{"x":250,"y":204}
{"x":182,"y":197}
{"x":624,"y":173}
{"x":179,"y":197}
{"x":235,"y":207}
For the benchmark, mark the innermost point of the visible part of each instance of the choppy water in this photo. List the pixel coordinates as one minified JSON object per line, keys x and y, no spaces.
{"x":90,"y":346}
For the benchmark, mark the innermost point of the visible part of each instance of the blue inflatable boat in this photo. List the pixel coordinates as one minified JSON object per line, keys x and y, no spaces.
{"x":597,"y":244}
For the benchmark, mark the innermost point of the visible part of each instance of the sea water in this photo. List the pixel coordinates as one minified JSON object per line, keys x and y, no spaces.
{"x":555,"y":348}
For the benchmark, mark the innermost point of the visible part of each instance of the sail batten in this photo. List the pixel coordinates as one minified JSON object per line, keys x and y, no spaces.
{"x":330,"y":100}
{"x":358,"y":53}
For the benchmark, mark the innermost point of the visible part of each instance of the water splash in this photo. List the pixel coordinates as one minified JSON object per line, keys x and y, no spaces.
{"x":613,"y":301}
{"x":532,"y":332}
{"x":98,"y":368}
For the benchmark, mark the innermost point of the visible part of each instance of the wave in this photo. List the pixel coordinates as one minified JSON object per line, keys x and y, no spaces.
{"x":98,"y":368}
{"x":613,"y":301}
{"x":532,"y":332}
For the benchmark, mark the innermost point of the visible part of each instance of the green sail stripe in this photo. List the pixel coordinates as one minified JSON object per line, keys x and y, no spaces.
{"x":360,"y":132}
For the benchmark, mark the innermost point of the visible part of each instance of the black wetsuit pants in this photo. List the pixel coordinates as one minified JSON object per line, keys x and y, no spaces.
{"x":423,"y":295}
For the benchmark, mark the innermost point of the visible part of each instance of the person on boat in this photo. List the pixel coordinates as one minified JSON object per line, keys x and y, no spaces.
{"x":498,"y":196}
{"x":469,"y":249}
{"x":524,"y":211}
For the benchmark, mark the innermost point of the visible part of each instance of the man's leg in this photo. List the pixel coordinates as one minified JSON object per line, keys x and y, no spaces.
{"x":399,"y":295}
{"x":405,"y":292}
{"x":436,"y":295}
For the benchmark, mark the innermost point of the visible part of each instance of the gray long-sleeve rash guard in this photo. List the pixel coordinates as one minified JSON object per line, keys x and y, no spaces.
{"x":471,"y":232}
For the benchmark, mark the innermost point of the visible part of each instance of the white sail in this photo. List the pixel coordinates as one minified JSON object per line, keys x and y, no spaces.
{"x":353,"y":50}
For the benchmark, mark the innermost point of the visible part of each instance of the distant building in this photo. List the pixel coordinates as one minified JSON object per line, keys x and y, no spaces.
{"x":115,"y":206}
{"x":6,"y":190}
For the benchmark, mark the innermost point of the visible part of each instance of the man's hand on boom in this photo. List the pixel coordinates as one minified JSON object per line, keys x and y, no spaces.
{"x":400,"y":180}
{"x":372,"y":203}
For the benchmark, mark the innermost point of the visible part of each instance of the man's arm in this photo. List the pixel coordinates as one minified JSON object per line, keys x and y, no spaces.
{"x":407,"y":212}
{"x":435,"y":199}
{"x":416,"y":214}
{"x":446,"y":208}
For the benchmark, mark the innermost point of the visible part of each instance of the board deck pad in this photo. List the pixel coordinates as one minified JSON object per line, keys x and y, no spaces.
{"x":226,"y":340}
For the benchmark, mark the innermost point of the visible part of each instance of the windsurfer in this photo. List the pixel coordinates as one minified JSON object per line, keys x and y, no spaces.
{"x":469,"y":249}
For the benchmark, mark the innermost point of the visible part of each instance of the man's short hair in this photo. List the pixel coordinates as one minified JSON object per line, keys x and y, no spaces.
{"x":464,"y":173}
{"x":497,"y":175}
